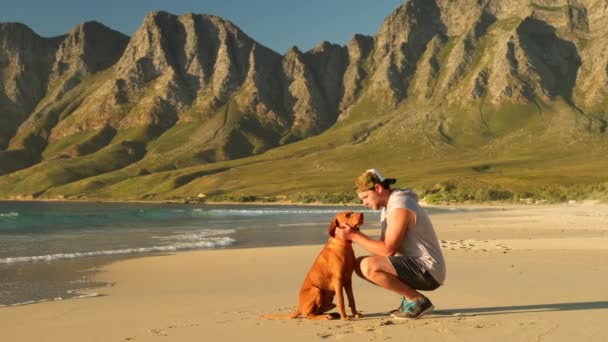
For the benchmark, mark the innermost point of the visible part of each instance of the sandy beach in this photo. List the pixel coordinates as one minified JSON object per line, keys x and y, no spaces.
{"x":515,"y":273}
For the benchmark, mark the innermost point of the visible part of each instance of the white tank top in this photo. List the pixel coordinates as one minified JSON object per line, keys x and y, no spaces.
{"x":420,"y":240}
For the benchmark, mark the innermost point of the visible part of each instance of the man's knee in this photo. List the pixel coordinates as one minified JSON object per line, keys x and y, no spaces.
{"x":359,"y":264}
{"x":369,"y":267}
{"x":365,"y":267}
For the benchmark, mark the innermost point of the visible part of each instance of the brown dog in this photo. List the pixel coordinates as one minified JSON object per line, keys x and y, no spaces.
{"x":329,"y":274}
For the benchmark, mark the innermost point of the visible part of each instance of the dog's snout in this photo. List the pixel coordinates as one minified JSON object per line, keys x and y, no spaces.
{"x":359,"y":218}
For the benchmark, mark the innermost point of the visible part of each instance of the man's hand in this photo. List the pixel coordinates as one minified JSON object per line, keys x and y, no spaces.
{"x":345,"y":232}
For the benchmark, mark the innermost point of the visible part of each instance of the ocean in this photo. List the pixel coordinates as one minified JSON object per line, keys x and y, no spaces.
{"x":51,"y":250}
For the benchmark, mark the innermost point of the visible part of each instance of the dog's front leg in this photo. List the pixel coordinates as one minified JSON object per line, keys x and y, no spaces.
{"x":351,"y":299}
{"x":340,"y":294}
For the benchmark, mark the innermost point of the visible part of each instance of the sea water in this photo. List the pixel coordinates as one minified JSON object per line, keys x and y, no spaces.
{"x":50,"y":250}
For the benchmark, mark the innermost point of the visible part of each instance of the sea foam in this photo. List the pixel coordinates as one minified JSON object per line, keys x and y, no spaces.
{"x":10,"y":215}
{"x":76,"y":296}
{"x":210,"y":242}
{"x":261,"y":212}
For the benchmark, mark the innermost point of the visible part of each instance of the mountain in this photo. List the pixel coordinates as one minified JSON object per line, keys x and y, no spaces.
{"x":42,"y":80}
{"x":473,"y":94}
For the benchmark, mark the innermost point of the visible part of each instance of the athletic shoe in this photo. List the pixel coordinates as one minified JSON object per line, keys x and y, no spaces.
{"x":414,"y":309}
{"x":401,"y":307}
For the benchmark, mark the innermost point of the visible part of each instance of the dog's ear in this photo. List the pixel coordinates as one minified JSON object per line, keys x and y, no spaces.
{"x":332,"y":227}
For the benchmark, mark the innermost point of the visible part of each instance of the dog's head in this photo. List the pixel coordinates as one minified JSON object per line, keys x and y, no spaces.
{"x":342,"y":218}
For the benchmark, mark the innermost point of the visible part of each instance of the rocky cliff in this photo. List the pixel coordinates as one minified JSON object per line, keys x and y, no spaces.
{"x":194,"y":89}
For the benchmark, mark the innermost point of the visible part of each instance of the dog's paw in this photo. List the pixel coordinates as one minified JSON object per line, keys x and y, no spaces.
{"x":357,"y":315}
{"x":334,"y":315}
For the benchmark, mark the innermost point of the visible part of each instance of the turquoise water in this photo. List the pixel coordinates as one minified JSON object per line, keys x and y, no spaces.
{"x":48,"y":250}
{"x":49,"y":231}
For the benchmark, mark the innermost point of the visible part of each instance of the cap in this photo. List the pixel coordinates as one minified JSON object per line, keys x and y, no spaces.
{"x":371,"y":177}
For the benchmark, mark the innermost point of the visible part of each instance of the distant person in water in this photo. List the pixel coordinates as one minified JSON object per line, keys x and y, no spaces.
{"x":407,"y":257}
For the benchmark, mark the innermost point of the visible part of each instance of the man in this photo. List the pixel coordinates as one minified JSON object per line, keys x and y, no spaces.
{"x":407,"y":257}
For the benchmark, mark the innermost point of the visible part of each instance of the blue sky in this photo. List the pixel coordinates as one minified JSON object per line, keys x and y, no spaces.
{"x":278,"y":24}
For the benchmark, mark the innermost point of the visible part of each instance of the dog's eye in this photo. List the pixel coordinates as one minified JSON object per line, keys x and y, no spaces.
{"x":347,"y":214}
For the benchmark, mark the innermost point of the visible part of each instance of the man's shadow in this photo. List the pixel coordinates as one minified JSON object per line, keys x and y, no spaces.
{"x":501,"y":310}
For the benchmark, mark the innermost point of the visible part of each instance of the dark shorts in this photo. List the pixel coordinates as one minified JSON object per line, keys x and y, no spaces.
{"x":412,"y":273}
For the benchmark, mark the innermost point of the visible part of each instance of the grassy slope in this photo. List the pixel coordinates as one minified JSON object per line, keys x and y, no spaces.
{"x":56,"y":172}
{"x":520,"y":161}
{"x":520,"y":150}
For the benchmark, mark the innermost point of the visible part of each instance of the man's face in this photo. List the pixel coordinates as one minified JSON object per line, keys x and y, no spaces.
{"x":369,"y":199}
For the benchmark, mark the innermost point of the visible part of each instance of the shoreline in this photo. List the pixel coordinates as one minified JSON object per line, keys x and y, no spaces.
{"x":277,"y":203}
{"x":312,"y":204}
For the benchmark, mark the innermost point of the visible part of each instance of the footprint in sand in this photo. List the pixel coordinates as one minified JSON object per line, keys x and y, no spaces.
{"x":163,"y":333}
{"x":159,"y":332}
{"x":387,"y":322}
{"x":474,"y":245}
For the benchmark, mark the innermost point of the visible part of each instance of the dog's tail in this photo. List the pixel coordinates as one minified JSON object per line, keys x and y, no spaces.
{"x":290,"y":316}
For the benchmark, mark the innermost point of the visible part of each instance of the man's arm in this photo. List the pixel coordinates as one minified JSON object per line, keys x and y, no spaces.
{"x":399,"y":220}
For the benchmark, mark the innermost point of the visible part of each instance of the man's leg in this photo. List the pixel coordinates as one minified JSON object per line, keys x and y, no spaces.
{"x":378,"y":270}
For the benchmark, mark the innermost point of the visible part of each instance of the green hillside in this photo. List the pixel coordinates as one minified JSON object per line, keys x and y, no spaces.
{"x":518,"y":161}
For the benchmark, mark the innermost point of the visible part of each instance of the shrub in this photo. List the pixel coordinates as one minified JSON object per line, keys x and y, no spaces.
{"x":325,"y":197}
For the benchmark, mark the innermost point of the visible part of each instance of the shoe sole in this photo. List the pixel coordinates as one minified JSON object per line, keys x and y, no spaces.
{"x":426,"y":311}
